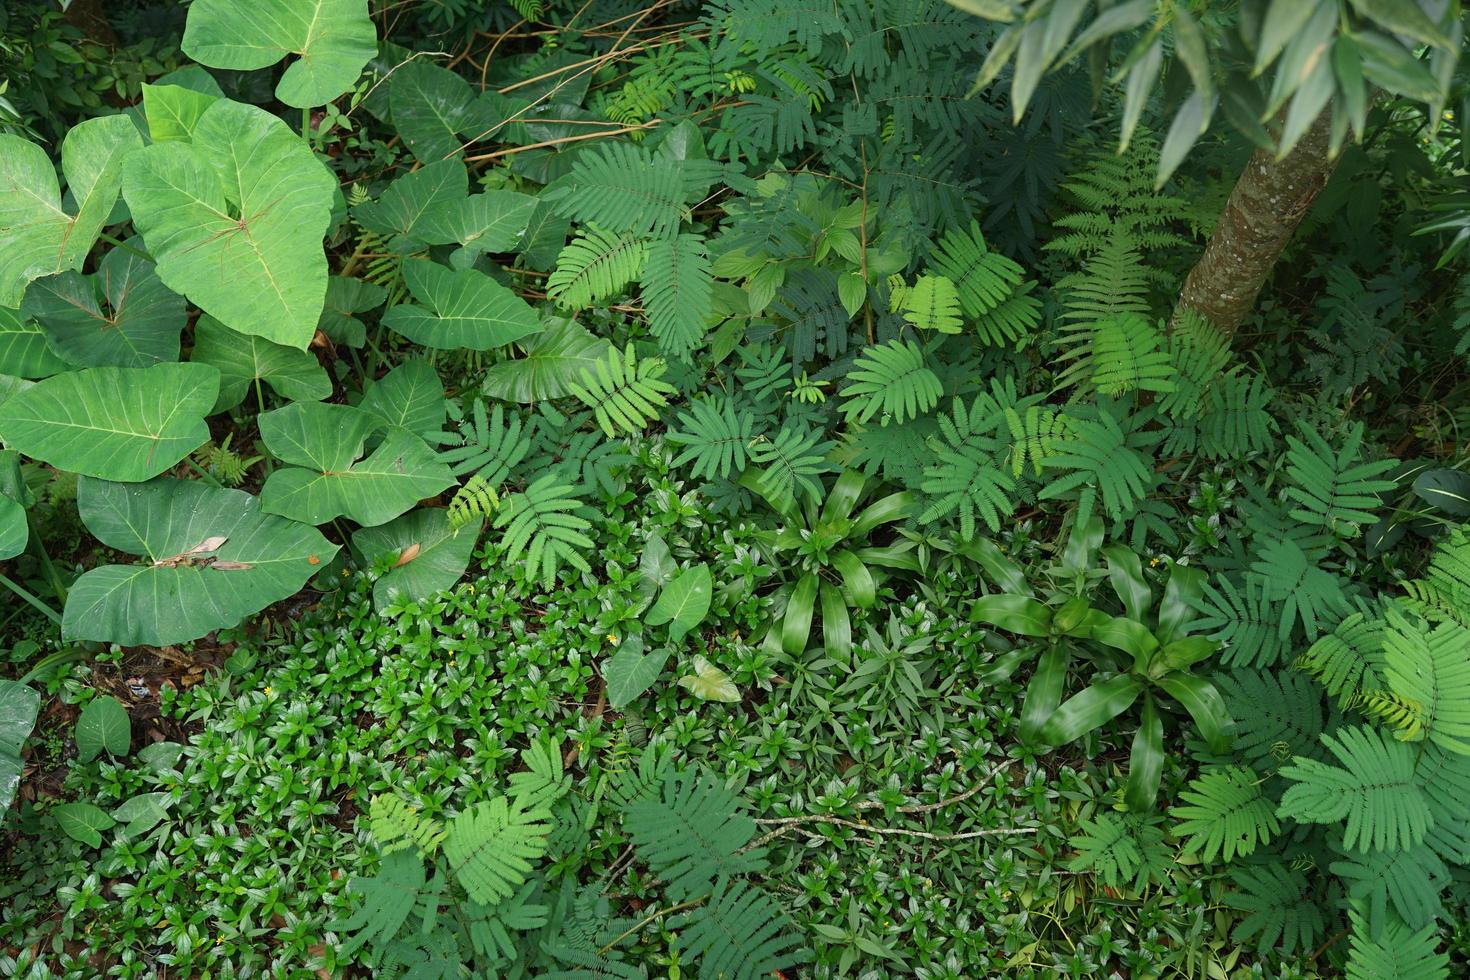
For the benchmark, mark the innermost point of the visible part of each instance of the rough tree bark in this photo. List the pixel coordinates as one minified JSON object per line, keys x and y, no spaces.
{"x":1267,"y":203}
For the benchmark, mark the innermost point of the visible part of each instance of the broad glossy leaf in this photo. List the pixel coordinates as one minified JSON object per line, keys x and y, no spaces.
{"x":126,"y":424}
{"x":836,"y":623}
{"x":322,"y":482}
{"x":656,"y":567}
{"x":684,"y":602}
{"x":173,"y":111}
{"x":24,"y":352}
{"x":83,"y":822}
{"x":241,"y":359}
{"x":102,"y":726}
{"x":120,"y":316}
{"x":210,"y":558}
{"x":1044,"y":690}
{"x":1145,"y":760}
{"x":796,"y":624}
{"x":37,"y":235}
{"x":1180,"y":604}
{"x":1091,"y":708}
{"x":140,"y":814}
{"x":494,"y":221}
{"x":14,"y":498}
{"x":235,"y":221}
{"x":430,"y":107}
{"x":335,"y":39}
{"x":1446,"y":490}
{"x":555,"y":359}
{"x":410,"y":396}
{"x":403,"y":209}
{"x":631,"y":671}
{"x":1013,"y":613}
{"x":709,"y":683}
{"x":1205,"y":706}
{"x":426,"y":555}
{"x":463,"y":309}
{"x":1125,"y":572}
{"x":18,"y":707}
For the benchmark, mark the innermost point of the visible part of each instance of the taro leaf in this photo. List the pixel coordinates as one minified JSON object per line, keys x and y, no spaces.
{"x":120,"y":316}
{"x":1445,"y":490}
{"x":325,"y":440}
{"x":140,"y":814}
{"x":24,"y":352}
{"x":18,"y":707}
{"x":684,"y":602}
{"x":430,"y":106}
{"x":235,"y":220}
{"x":426,"y":556}
{"x":103,"y":726}
{"x":656,"y":567}
{"x":345,"y":298}
{"x":463,"y":309}
{"x":405,"y":205}
{"x":126,"y":424}
{"x":37,"y":236}
{"x":160,"y":756}
{"x":709,"y":683}
{"x":211,"y":557}
{"x":630,"y":671}
{"x":293,"y":374}
{"x":411,"y":397}
{"x":554,"y":362}
{"x":173,"y":111}
{"x":14,"y":498}
{"x":335,"y":39}
{"x":83,"y":822}
{"x":494,"y":221}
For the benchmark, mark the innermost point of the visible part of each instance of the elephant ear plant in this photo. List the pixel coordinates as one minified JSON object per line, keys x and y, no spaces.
{"x":1137,"y":654}
{"x":826,"y":547}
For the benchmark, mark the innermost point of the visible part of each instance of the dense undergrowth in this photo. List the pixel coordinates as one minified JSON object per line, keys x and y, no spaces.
{"x":600,"y":489}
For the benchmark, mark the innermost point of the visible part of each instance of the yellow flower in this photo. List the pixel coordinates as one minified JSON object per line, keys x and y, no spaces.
{"x":1154,"y":562}
{"x":267,"y":689}
{"x":612,"y":638}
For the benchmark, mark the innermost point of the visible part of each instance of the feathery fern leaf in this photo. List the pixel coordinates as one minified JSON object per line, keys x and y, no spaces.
{"x":595,"y":266}
{"x":1127,"y":356}
{"x":714,"y":434}
{"x":1335,"y":491}
{"x":1277,"y":715}
{"x":388,"y":899}
{"x":1400,"y":953}
{"x":1409,"y":881}
{"x":1375,"y":791}
{"x":1243,"y":621}
{"x":1227,"y":813}
{"x":678,"y":293}
{"x":477,"y":500}
{"x":965,"y":474}
{"x":1104,"y":464}
{"x":794,"y":460}
{"x":395,"y":825}
{"x":891,"y":381}
{"x":623,"y":392}
{"x":692,"y":834}
{"x":989,"y":286}
{"x":740,"y":934}
{"x":545,"y":524}
{"x":1443,"y":594}
{"x":1349,"y":660}
{"x":1428,"y":674}
{"x":1122,"y":850}
{"x":1279,"y":905}
{"x":491,"y":846}
{"x":933,"y":303}
{"x":623,"y":187}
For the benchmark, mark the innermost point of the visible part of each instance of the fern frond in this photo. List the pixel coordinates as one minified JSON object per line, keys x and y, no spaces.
{"x":1443,"y":594}
{"x":1122,"y":850}
{"x":933,"y":303}
{"x":476,"y":501}
{"x":714,"y":434}
{"x":989,"y":285}
{"x":1199,"y":353}
{"x":1407,"y":881}
{"x":1399,"y":953}
{"x":1335,"y":491}
{"x":388,"y":899}
{"x":1127,"y":355}
{"x":1349,"y":660}
{"x":1036,"y":436}
{"x":692,"y":834}
{"x":544,"y":780}
{"x":623,"y":187}
{"x":1280,"y":908}
{"x":1428,"y":677}
{"x":594,"y":267}
{"x":1375,"y":791}
{"x":964,"y":475}
{"x":1227,"y":814}
{"x":890,"y":380}
{"x":489,"y":445}
{"x":1104,"y":465}
{"x":623,"y":392}
{"x":493,"y":845}
{"x":545,"y":524}
{"x":395,"y":825}
{"x":1237,"y":417}
{"x":740,"y":934}
{"x":794,"y":460}
{"x":678,"y":293}
{"x":1277,"y":715}
{"x":1244,"y":621}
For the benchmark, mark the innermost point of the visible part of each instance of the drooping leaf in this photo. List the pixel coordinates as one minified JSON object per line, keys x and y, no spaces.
{"x":103,"y":725}
{"x":235,"y":221}
{"x":334,"y":38}
{"x":37,"y":235}
{"x":121,"y":316}
{"x":346,"y":298}
{"x":210,"y":558}
{"x":242,"y":359}
{"x":83,"y":822}
{"x":709,"y":683}
{"x":18,"y":707}
{"x":554,"y":362}
{"x":324,"y":479}
{"x":126,"y":424}
{"x":426,"y":555}
{"x":463,"y":309}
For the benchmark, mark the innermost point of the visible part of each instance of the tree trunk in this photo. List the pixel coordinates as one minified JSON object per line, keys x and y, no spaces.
{"x":1267,"y":203}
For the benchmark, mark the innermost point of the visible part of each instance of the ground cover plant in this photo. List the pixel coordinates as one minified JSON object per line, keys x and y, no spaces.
{"x":734,"y":489}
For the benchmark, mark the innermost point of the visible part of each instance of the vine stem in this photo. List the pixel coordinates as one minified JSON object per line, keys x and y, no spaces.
{"x":109,"y":239}
{"x":650,"y":918}
{"x":209,"y":477}
{"x":21,"y":591}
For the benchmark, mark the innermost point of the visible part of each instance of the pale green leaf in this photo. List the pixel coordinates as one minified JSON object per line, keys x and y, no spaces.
{"x":102,"y":726}
{"x":709,"y":683}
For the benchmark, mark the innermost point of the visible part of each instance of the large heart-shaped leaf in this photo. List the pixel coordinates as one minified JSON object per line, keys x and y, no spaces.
{"x":15,"y":497}
{"x":430,"y":106}
{"x":683,"y":603}
{"x":37,"y":236}
{"x":102,"y":726}
{"x":398,"y":212}
{"x":335,"y":39}
{"x":424,"y":553}
{"x":241,"y":360}
{"x":410,"y":396}
{"x":347,"y":297}
{"x":83,"y":822}
{"x":235,"y":221}
{"x":321,"y":442}
{"x":464,"y":309}
{"x":24,"y":352}
{"x":126,"y":424}
{"x":631,"y":671}
{"x":18,"y":707}
{"x":210,"y":558}
{"x":494,"y":221}
{"x":121,"y":316}
{"x":554,"y":362}
{"x":172,"y":111}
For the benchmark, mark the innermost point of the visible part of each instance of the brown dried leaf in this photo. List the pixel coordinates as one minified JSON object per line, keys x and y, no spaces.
{"x":408,"y":554}
{"x":213,"y":543}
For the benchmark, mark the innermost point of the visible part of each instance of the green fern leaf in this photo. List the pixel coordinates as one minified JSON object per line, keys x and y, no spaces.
{"x":476,"y":501}
{"x":1349,"y":660}
{"x":692,"y":834}
{"x":492,"y":847}
{"x":989,"y":285}
{"x":1243,"y":621}
{"x":1104,"y":465}
{"x":1227,"y":814}
{"x":1122,"y":850}
{"x":678,"y":293}
{"x":714,"y":435}
{"x":594,"y":267}
{"x":388,"y":899}
{"x":1280,"y":908}
{"x":794,"y":461}
{"x":1408,"y":881}
{"x":891,"y":381}
{"x":1428,"y":676}
{"x":545,"y":524}
{"x":933,"y":303}
{"x":1334,"y":490}
{"x":964,"y":475}
{"x":1399,"y":953}
{"x":623,"y":187}
{"x":1375,"y":791}
{"x":395,"y":825}
{"x":1127,"y":356}
{"x":623,"y":392}
{"x":740,"y":934}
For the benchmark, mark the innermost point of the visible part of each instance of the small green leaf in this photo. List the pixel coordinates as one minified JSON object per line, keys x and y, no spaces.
{"x":83,"y":822}
{"x":709,"y":683}
{"x":103,"y":725}
{"x":141,"y":813}
{"x":629,"y":672}
{"x":683,"y":603}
